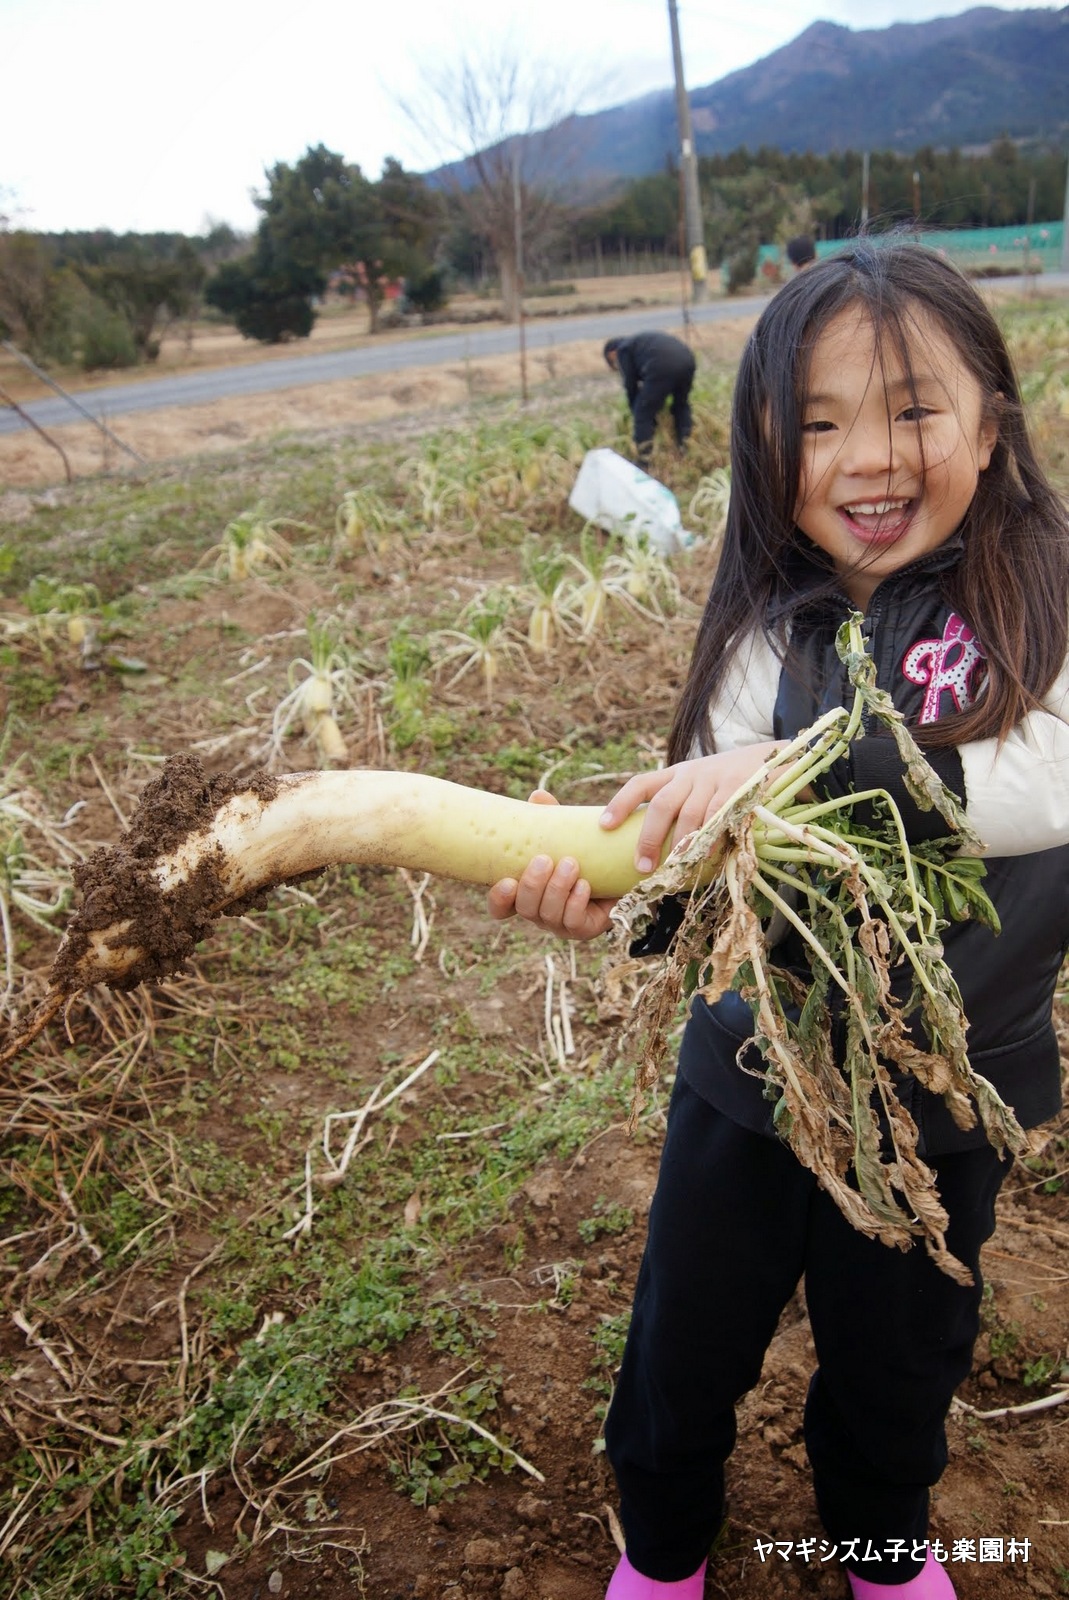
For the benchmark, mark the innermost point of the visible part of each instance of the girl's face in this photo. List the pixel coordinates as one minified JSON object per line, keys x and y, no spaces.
{"x":888,"y":467}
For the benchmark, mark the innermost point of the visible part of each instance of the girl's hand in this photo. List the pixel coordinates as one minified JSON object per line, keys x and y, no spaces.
{"x":552,"y":896}
{"x":683,"y":797}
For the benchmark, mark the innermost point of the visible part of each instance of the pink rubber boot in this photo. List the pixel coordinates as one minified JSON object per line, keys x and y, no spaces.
{"x":931,"y":1584}
{"x":627,"y":1584}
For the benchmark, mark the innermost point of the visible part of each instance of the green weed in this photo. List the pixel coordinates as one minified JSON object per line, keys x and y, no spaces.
{"x":1051,"y":1165}
{"x":1034,"y":1374}
{"x":436,"y":1459}
{"x":610,"y":1336}
{"x":30,"y":686}
{"x":610,"y":1217}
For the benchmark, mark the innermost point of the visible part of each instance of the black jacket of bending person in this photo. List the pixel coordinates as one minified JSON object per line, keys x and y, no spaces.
{"x":655,"y":368}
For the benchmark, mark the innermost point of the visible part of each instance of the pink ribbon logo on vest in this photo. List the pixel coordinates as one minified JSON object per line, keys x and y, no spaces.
{"x":944,"y":665}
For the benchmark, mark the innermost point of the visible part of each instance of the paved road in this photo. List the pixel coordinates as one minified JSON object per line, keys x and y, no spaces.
{"x":292,"y":372}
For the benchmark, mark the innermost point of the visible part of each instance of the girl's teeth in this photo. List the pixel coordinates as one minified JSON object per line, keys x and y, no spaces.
{"x":876,"y":509}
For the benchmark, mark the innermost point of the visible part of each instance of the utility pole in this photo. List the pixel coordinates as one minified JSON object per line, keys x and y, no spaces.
{"x":865,"y":192}
{"x":692,"y":207}
{"x":1065,"y":225}
{"x":1029,"y":221}
{"x":517,"y":222}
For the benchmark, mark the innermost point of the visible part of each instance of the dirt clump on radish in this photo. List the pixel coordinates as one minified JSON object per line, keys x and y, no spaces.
{"x":119,"y":886}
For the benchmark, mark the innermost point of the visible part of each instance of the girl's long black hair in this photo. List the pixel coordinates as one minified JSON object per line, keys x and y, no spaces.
{"x":1012,"y":582}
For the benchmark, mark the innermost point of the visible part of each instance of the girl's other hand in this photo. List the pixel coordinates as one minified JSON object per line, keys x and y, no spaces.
{"x":551,"y":895}
{"x":681,"y":798}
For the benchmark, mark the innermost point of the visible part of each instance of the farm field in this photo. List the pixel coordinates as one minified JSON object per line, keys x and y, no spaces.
{"x":317,"y":1257}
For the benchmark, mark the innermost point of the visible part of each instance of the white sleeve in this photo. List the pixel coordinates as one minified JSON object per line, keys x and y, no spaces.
{"x":1017,"y":792}
{"x":742,"y":712}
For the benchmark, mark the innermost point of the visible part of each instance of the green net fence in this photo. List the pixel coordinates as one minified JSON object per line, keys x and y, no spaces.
{"x":985,"y":252}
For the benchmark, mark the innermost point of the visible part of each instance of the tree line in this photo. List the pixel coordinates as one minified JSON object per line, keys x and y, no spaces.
{"x":763,"y":196}
{"x":102,"y":299}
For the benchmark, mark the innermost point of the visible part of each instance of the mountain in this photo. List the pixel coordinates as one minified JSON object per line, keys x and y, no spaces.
{"x":952,"y":82}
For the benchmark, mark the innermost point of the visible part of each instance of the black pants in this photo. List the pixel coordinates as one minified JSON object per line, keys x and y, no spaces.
{"x":652,"y":395}
{"x":735,"y":1223}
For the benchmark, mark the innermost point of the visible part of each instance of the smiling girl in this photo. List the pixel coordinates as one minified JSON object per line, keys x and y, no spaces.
{"x":880,"y":462}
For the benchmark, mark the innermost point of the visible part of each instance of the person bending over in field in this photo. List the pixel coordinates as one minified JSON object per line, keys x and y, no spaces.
{"x":656,"y":369}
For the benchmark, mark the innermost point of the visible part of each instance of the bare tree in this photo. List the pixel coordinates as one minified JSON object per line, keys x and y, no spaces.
{"x":512,"y":128}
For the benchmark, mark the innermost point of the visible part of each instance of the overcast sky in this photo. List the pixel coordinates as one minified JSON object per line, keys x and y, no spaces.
{"x":138,"y":115}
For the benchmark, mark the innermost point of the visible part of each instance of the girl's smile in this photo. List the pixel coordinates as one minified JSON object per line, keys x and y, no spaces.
{"x":891,"y":456}
{"x":878,"y":521}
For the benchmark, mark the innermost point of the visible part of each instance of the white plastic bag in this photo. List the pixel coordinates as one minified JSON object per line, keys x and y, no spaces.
{"x":619,"y":497}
